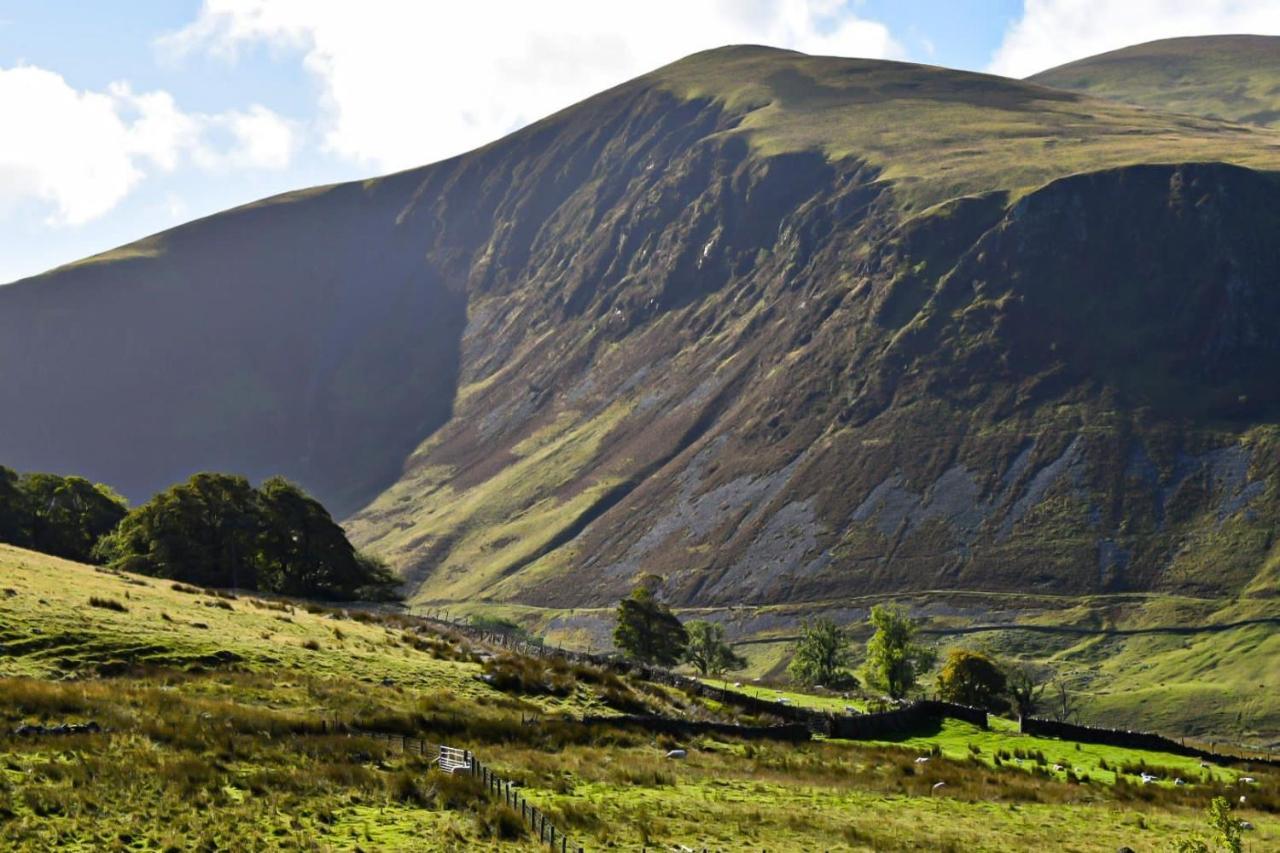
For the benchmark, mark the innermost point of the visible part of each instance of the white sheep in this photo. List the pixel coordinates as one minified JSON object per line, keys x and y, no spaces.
{"x":677,"y":753}
{"x":922,"y":759}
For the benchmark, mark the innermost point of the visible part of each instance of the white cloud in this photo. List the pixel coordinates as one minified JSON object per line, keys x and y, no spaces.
{"x":407,"y":82}
{"x":1053,"y":32}
{"x":259,"y":139}
{"x":82,"y":152}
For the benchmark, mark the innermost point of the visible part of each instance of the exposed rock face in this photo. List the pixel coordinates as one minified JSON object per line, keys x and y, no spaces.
{"x":633,"y":338}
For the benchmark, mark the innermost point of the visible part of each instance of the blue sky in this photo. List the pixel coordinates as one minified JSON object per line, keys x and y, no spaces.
{"x":125,"y":118}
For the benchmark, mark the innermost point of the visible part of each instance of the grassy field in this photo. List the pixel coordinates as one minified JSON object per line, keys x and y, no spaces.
{"x":210,"y":710}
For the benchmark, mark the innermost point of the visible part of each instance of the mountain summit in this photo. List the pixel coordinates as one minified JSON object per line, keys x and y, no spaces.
{"x":780,"y":328}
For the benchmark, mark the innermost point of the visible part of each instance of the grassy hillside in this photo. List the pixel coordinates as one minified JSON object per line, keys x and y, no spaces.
{"x":1151,"y":662}
{"x":209,"y":736}
{"x":937,"y":133}
{"x":1225,"y":77}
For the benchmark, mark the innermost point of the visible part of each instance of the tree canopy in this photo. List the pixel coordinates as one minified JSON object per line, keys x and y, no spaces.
{"x":217,"y":530}
{"x":972,"y":678}
{"x":647,"y":630}
{"x":894,"y":659}
{"x":1026,"y":685}
{"x":822,"y":654}
{"x":15,"y":521}
{"x":708,"y":652}
{"x":53,"y":514}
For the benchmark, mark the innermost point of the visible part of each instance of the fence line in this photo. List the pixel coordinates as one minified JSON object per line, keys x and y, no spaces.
{"x":496,"y":786}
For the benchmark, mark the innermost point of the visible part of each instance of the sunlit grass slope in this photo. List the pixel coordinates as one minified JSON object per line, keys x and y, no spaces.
{"x":1233,"y":77}
{"x":939,"y":133}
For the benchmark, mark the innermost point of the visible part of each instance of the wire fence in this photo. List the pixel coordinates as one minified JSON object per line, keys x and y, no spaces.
{"x":451,"y":759}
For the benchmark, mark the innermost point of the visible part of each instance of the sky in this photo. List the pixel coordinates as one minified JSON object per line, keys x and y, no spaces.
{"x":121,"y":119}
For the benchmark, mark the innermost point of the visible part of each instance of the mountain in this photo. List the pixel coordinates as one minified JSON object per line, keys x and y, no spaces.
{"x":1236,"y":78}
{"x":780,"y":328}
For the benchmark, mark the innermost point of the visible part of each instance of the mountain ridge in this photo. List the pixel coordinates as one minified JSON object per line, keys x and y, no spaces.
{"x":706,"y":323}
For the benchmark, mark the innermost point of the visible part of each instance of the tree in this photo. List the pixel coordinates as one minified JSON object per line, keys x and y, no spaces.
{"x":303,"y":551}
{"x":894,"y":659}
{"x":647,"y":630}
{"x":822,"y":654}
{"x":708,"y":652}
{"x":1063,"y":706}
{"x":66,"y":516}
{"x":15,"y":514}
{"x":216,"y":530}
{"x":1026,"y":689}
{"x":972,"y":678}
{"x":203,"y":531}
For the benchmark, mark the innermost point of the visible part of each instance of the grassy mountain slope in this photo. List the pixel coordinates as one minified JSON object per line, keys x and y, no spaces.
{"x":742,"y":388}
{"x":1225,"y":77}
{"x":780,"y":328}
{"x":299,"y":335}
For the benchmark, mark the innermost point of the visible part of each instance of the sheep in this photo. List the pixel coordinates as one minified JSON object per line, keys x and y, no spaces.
{"x":922,"y":759}
{"x":677,"y":753}
{"x":937,"y":785}
{"x":1148,"y":778}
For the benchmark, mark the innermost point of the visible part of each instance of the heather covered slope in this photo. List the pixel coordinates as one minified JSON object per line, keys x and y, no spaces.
{"x":1236,"y":78}
{"x":772,"y":381}
{"x":781,"y":328}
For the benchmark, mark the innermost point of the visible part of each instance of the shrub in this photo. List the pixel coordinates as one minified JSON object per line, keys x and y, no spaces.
{"x":529,"y":676}
{"x":501,"y":822}
{"x":107,"y":604}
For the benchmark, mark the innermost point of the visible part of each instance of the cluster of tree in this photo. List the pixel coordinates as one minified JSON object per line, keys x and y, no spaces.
{"x":62,"y":516}
{"x":647,"y":631}
{"x":894,"y":660}
{"x":217,"y":530}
